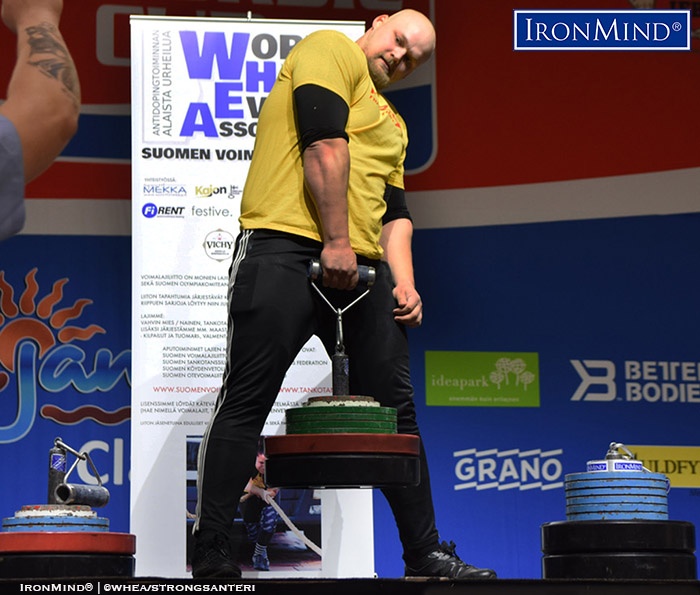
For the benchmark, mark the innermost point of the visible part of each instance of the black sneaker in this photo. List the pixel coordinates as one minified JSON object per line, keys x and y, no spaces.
{"x":212,"y":558}
{"x":445,"y":563}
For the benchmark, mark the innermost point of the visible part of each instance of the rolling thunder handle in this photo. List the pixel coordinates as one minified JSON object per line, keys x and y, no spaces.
{"x":339,"y":359}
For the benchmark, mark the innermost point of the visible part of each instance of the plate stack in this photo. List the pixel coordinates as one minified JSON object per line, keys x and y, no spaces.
{"x":63,"y":540}
{"x":336,"y":416}
{"x":342,"y":442}
{"x":617,"y":526}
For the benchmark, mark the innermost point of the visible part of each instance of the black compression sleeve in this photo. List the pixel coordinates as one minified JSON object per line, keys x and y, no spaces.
{"x":320,"y":114}
{"x":396,"y":208}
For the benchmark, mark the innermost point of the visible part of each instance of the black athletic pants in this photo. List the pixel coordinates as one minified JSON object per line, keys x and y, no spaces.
{"x":273,"y":312}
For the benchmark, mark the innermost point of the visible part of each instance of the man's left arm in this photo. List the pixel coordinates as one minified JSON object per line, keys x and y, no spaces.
{"x":396,"y":241}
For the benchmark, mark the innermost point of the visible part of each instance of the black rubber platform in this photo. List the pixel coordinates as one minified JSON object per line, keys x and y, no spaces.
{"x":65,"y":565}
{"x":566,"y":537}
{"x":342,"y":470}
{"x":621,"y":565}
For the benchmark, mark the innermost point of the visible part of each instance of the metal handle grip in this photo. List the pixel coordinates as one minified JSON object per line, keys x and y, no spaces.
{"x":367,"y":274}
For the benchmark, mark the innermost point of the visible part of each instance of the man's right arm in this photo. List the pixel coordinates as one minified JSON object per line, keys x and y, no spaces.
{"x":321,"y":118}
{"x":43,"y":97}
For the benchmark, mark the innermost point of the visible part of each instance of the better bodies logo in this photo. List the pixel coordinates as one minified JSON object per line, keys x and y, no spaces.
{"x":482,"y":379}
{"x":40,"y":350}
{"x":641,"y":381}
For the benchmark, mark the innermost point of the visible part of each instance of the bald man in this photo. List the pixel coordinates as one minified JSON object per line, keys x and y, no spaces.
{"x":326,"y":182}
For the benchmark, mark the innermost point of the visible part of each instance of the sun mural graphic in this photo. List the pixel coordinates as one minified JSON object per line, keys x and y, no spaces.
{"x":41,"y":343}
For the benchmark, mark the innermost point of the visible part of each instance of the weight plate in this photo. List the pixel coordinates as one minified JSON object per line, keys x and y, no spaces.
{"x":617,"y":476}
{"x":564,"y":537}
{"x":68,"y":542}
{"x":342,"y":471}
{"x":55,"y":523}
{"x":341,"y":401}
{"x":65,"y":565}
{"x":617,"y":516}
{"x":654,"y":484}
{"x":341,"y":426}
{"x":648,"y":565}
{"x":340,"y":416}
{"x":74,"y":510}
{"x":315,"y":444}
{"x":614,"y":491}
{"x":602,"y":508}
{"x":340,"y":430}
{"x":339,"y":409}
{"x":623,"y":499}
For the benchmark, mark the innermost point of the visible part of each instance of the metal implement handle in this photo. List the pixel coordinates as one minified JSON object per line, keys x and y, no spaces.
{"x":367,"y":274}
{"x":339,"y":360}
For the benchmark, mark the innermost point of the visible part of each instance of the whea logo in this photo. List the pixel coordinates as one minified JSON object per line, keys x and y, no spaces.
{"x":39,"y":349}
{"x":508,"y":469}
{"x":649,"y":381}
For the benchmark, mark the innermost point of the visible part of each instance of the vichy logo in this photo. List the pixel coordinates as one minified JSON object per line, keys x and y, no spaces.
{"x":218,"y":245}
{"x":508,"y":469}
{"x":648,"y":381}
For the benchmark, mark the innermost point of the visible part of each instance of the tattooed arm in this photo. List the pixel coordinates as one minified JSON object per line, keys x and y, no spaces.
{"x":43,"y":97}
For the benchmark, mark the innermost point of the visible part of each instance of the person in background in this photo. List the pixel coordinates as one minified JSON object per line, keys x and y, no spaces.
{"x":259,"y":516}
{"x":40,"y":114}
{"x":326,"y":182}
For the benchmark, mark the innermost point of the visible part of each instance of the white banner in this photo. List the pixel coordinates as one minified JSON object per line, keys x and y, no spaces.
{"x":197,"y":87}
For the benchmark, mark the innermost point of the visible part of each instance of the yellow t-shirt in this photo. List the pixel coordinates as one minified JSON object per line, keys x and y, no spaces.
{"x":274,"y":196}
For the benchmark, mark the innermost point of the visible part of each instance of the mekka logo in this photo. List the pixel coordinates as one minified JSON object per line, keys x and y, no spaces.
{"x":508,"y":469}
{"x":601,"y":30}
{"x":152,"y":190}
{"x":647,"y":381}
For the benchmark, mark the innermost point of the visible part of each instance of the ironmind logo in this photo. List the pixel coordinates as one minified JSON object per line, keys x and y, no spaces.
{"x":601,"y":30}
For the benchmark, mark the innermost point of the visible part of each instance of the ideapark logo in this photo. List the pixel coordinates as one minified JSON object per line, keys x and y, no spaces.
{"x":482,"y":379}
{"x":41,"y":351}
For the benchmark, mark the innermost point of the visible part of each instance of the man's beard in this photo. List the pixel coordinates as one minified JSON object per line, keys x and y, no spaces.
{"x":378,"y":75}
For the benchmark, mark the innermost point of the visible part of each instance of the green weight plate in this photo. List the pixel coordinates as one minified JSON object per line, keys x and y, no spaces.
{"x":341,"y":431}
{"x":325,"y":409}
{"x":342,"y":423}
{"x":340,"y":416}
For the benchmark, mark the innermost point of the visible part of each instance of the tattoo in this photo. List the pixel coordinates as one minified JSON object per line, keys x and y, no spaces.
{"x":46,"y":39}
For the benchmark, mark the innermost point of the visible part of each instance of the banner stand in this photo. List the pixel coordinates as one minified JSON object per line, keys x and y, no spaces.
{"x":198,"y":85}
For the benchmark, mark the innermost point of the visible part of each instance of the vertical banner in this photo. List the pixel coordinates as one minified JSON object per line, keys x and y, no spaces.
{"x":198,"y":85}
